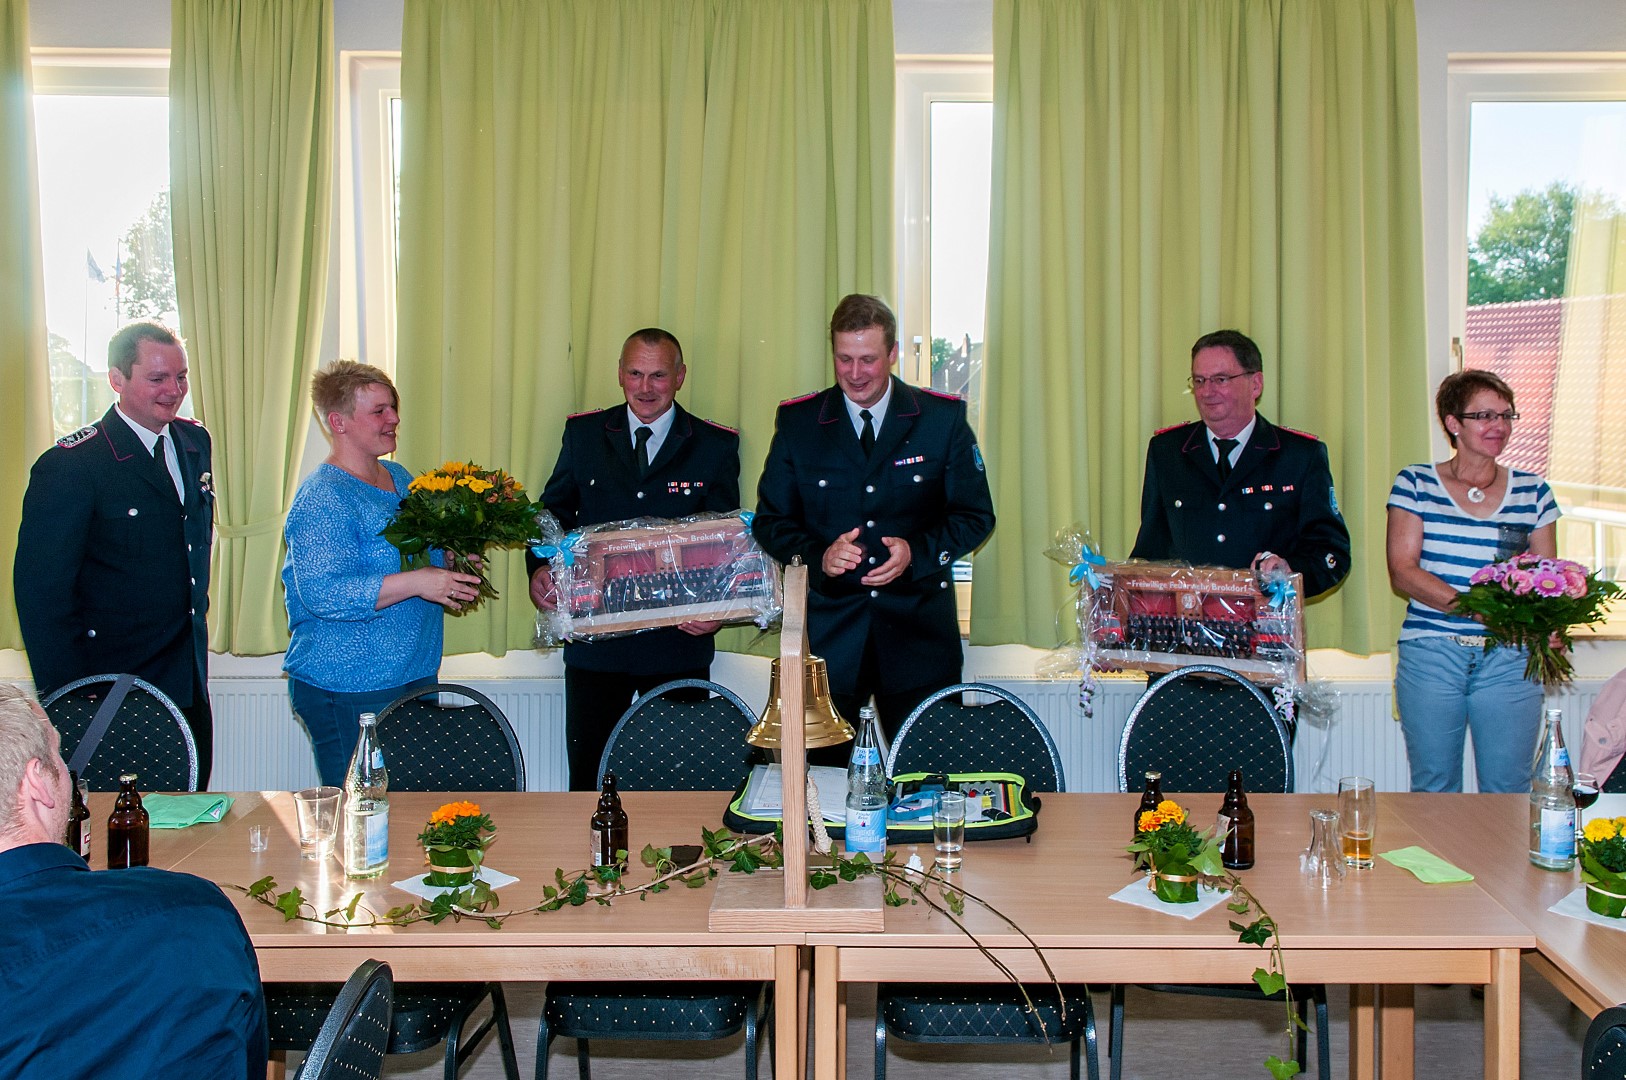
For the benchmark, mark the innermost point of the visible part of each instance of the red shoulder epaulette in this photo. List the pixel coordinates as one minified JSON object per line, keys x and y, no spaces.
{"x":190,"y":420}
{"x":795,"y":400}
{"x":1171,"y":427}
{"x":584,"y":412}
{"x":944,"y":394}
{"x":1295,"y":431}
{"x":720,"y":427}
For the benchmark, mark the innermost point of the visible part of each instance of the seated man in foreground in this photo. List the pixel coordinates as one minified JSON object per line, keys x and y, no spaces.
{"x":117,"y":974}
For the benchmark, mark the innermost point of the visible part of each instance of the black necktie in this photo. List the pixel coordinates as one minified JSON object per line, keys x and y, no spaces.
{"x":866,"y":438}
{"x":163,"y":463}
{"x":641,"y":440}
{"x":1224,"y":446}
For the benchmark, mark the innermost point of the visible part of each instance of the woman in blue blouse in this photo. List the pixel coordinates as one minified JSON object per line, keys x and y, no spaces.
{"x":1445,"y":522}
{"x":363,"y":631}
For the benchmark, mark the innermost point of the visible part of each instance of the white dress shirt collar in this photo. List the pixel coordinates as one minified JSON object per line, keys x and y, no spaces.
{"x":1241,"y":438}
{"x":877,"y":411}
{"x":658,"y":429}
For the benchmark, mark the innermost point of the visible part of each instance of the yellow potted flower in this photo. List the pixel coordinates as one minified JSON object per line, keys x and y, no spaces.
{"x":1173,"y":854}
{"x":455,"y":842}
{"x":1603,"y":865}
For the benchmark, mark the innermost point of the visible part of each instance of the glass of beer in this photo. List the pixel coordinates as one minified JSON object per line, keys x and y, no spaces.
{"x":1358,"y":820}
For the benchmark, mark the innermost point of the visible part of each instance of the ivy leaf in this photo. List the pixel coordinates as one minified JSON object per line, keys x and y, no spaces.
{"x":495,"y":924}
{"x":1282,"y":1070}
{"x":1255,"y":933}
{"x":1240,"y":907}
{"x":261,"y":887}
{"x":400,"y":914}
{"x":1269,"y":982}
{"x":822,"y":879}
{"x":653,"y":856}
{"x":289,"y":903}
{"x":350,"y":908}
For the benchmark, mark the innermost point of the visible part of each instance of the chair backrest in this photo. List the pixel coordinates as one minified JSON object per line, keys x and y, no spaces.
{"x":148,"y":735}
{"x":666,"y":743}
{"x":947,"y":733}
{"x":351,"y":1044}
{"x":430,"y":746}
{"x":1198,"y":723}
{"x":1603,"y":1052}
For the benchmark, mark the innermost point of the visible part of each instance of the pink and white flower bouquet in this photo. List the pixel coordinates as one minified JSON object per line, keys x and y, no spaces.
{"x":1532,"y":603}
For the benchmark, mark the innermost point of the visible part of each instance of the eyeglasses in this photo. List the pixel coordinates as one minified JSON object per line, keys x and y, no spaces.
{"x":1197,"y":382}
{"x":1487,"y":416}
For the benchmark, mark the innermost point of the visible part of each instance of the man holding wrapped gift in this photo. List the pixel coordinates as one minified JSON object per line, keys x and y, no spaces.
{"x":1234,"y":490}
{"x":124,"y":973}
{"x":648,"y":458}
{"x":879,"y":487}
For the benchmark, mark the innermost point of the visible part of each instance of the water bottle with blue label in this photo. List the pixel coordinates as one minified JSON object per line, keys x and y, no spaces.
{"x":866,"y":791}
{"x":1552,"y":800}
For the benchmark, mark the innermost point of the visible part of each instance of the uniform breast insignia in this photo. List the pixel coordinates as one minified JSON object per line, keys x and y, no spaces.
{"x":684,"y":487}
{"x":82,"y":435}
{"x":916,"y":460}
{"x":206,"y":483}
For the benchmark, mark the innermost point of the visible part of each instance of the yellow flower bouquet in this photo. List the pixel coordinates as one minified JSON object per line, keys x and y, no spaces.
{"x":1603,"y":865}
{"x":454,"y":843}
{"x":1173,"y":854}
{"x":464,"y":510}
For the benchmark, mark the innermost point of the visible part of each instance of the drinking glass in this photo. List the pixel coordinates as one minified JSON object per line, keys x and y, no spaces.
{"x":258,"y":838}
{"x":1358,"y":820}
{"x":1322,"y":862}
{"x":948,"y":828}
{"x":1586,"y":791}
{"x":318,"y":812}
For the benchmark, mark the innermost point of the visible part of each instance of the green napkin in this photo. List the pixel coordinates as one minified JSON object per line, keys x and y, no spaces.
{"x":1425,"y":865}
{"x":179,"y":811}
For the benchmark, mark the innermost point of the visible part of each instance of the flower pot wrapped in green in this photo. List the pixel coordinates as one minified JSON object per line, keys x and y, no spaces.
{"x":455,"y":842}
{"x":1603,"y":865}
{"x":1173,"y":854}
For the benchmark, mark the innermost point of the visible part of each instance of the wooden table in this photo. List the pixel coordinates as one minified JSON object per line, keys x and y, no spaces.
{"x":1488,"y":835}
{"x":661,"y":938}
{"x":1381,"y":927}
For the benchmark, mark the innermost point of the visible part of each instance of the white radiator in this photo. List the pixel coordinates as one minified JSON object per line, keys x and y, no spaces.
{"x":259,"y":745}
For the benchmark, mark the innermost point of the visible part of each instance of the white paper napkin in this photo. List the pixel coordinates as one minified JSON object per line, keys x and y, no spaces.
{"x":1138,"y":894}
{"x":418,"y":887}
{"x":1574,"y":905}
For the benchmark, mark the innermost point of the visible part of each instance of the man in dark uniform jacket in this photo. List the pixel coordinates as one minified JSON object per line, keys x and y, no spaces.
{"x":1234,"y":489}
{"x":879,"y":487}
{"x":112,"y":570}
{"x":651,"y":458}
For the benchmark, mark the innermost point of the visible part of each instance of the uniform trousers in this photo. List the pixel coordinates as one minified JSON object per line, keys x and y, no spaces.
{"x":595,"y":702}
{"x":201,"y":721}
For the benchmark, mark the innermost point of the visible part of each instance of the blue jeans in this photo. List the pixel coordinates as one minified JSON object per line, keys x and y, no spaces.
{"x":333,"y":721}
{"x":1444,"y":689}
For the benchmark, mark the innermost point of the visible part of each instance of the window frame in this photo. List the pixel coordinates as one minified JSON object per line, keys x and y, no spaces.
{"x":370,"y":84}
{"x":922,"y":81}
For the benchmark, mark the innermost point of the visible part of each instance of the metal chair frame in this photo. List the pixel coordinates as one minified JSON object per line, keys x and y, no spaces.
{"x":1603,"y":1051}
{"x":479,"y":699}
{"x":1207,"y":671}
{"x":644,"y":700}
{"x":138,"y":684}
{"x":918,"y":717}
{"x":369,"y":987}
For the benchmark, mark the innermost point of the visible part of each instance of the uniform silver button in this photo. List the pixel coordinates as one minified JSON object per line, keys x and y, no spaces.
{"x":90,"y":633}
{"x":191,"y":611}
{"x":872,"y":560}
{"x":875,"y":592}
{"x":1220,"y":538}
{"x":917,"y":478}
{"x":1222,"y":506}
{"x":193,"y":580}
{"x":134,"y":511}
{"x":942,"y":584}
{"x":189,"y":547}
{"x":1178,"y":504}
{"x":1269,"y":507}
{"x":640,"y":494}
{"x":869,"y":524}
{"x":822,"y":483}
{"x":870,"y":488}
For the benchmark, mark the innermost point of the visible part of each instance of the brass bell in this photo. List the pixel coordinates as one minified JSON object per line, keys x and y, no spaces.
{"x":824,"y":726}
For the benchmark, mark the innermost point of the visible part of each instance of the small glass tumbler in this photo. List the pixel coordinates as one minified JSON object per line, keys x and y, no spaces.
{"x":258,"y":838}
{"x":948,"y":828}
{"x":1322,"y":862}
{"x":317,"y":811}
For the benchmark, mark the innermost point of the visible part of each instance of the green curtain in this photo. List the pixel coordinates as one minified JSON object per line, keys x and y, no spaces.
{"x":578,"y":169}
{"x":24,"y":376}
{"x":251,"y":112}
{"x":1167,"y":167}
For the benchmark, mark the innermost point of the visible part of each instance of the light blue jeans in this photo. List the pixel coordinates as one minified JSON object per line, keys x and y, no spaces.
{"x":1443,"y":690}
{"x":333,"y":721}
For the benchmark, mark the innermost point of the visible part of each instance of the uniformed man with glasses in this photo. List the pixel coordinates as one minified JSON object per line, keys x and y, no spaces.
{"x":1234,"y":490}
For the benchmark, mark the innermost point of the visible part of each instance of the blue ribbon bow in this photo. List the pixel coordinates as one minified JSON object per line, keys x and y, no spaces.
{"x":1280,"y":590}
{"x":564,"y":550}
{"x":747,"y":516}
{"x":1085,"y":568}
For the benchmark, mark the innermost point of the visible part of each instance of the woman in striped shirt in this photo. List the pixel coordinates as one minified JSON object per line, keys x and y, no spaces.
{"x":1446,"y":521}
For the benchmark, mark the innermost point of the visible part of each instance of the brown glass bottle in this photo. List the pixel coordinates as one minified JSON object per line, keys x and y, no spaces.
{"x":1150,"y":797}
{"x":127,"y":827}
{"x":609,"y":825}
{"x":78,"y":838}
{"x":1235,"y":831}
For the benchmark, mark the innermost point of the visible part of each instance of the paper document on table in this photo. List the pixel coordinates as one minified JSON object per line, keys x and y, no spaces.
{"x":765,"y":795}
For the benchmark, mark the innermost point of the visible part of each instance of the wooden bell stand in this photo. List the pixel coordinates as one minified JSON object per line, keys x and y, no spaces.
{"x":773,"y":900}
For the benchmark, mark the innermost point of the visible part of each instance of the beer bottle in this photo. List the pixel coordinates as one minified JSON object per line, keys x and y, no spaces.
{"x":1235,"y":831}
{"x":127,"y":827}
{"x":609,"y":825}
{"x":1150,"y":797}
{"x":78,"y":838}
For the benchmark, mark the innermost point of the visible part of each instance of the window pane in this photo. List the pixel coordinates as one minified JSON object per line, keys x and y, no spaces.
{"x":105,"y":228}
{"x":962,"y":142}
{"x":1547,"y":302}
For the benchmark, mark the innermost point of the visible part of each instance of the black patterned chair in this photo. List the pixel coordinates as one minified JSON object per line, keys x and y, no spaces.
{"x":1603,"y":1051}
{"x":1195,"y":725}
{"x":350,"y":1044}
{"x":429,"y":746}
{"x":978,"y":727}
{"x":148,"y":734}
{"x":666,"y":745}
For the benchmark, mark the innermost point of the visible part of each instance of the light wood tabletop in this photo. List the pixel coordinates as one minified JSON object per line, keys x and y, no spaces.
{"x":1488,"y":835}
{"x":1381,"y":926}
